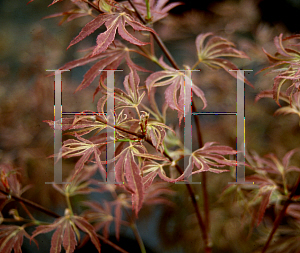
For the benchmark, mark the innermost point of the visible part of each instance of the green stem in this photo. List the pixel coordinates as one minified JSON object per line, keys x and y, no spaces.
{"x":69,"y":203}
{"x":148,"y":10}
{"x":136,"y":232}
{"x":138,"y":237}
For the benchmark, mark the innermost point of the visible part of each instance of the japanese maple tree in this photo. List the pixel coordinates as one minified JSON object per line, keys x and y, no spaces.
{"x":146,"y":159}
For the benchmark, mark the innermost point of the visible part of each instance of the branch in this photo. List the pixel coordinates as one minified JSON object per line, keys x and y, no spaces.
{"x":204,"y":185}
{"x":95,"y":7}
{"x":115,"y":246}
{"x":55,"y":215}
{"x":189,"y":188}
{"x":31,"y":204}
{"x":157,"y":38}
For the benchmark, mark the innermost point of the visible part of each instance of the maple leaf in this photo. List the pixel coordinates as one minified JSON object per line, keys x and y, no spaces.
{"x":100,"y":216}
{"x":177,"y":81}
{"x":10,"y":180}
{"x":156,"y":132}
{"x":156,"y":194}
{"x":79,"y":183}
{"x":286,"y":61}
{"x":271,"y":164}
{"x":12,"y":238}
{"x":130,"y":98}
{"x":82,"y":10}
{"x":152,"y":168}
{"x":294,"y":210}
{"x":110,"y":59}
{"x":128,"y":172}
{"x":293,"y":101}
{"x":209,"y":158}
{"x":268,"y":187}
{"x":66,"y":231}
{"x":112,"y":21}
{"x":84,"y":148}
{"x":212,"y":52}
{"x":80,"y":124}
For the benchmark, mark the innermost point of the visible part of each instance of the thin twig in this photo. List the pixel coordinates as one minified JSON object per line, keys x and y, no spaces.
{"x":204,"y":181}
{"x":32,"y":204}
{"x":157,"y":38}
{"x":95,"y":7}
{"x":102,"y":238}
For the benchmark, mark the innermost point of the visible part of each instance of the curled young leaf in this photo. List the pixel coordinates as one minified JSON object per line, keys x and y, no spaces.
{"x":212,"y":49}
{"x":287,"y":62}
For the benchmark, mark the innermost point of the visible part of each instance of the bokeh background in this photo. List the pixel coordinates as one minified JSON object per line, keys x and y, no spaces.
{"x":30,"y":44}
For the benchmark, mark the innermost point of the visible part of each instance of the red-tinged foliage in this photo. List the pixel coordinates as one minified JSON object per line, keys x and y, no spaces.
{"x":10,"y":180}
{"x":156,"y":132}
{"x":294,"y":211}
{"x":80,"y":124}
{"x":176,"y":81}
{"x":211,"y":51}
{"x":79,"y":183}
{"x":66,"y":231}
{"x":269,"y":185}
{"x":130,"y":98}
{"x":293,"y":101}
{"x":54,"y":1}
{"x":157,"y":194}
{"x":110,"y":59}
{"x":128,"y":171}
{"x":84,"y":148}
{"x":81,"y":10}
{"x":11,"y":238}
{"x":271,"y":164}
{"x":112,"y":21}
{"x":100,"y":216}
{"x":145,"y":150}
{"x":286,"y":61}
{"x":210,"y":158}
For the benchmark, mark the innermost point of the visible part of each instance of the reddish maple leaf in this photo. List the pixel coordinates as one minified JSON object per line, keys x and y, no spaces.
{"x":81,"y":11}
{"x":177,"y":81}
{"x":80,"y":183}
{"x":112,"y":21}
{"x":130,"y":98}
{"x":12,"y":238}
{"x":66,"y":230}
{"x":212,"y":52}
{"x":157,"y":194}
{"x":110,"y":59}
{"x":84,"y":148}
{"x":128,"y":172}
{"x":100,"y":216}
{"x":209,"y":158}
{"x":9,"y":180}
{"x":286,"y":62}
